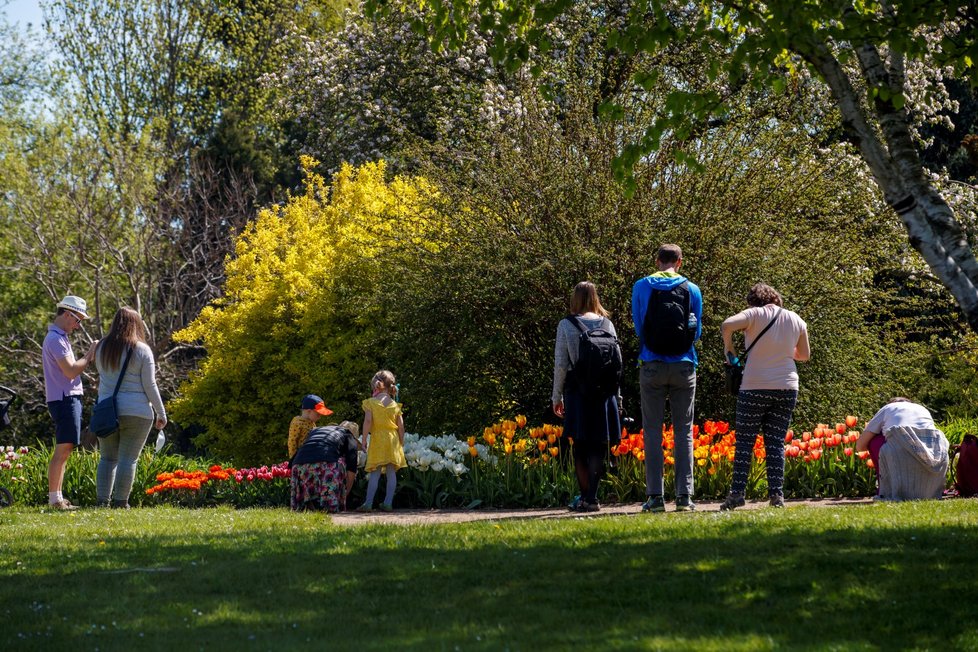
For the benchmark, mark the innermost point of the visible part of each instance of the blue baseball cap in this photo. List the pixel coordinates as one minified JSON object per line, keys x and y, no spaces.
{"x":313,"y":402}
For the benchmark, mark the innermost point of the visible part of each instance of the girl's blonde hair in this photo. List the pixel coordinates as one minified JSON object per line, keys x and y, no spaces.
{"x":385,"y":380}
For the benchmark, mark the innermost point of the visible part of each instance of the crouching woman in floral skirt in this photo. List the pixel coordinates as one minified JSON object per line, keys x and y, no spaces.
{"x":324,"y":468}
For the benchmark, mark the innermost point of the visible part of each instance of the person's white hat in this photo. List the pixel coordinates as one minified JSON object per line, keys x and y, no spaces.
{"x":75,"y":304}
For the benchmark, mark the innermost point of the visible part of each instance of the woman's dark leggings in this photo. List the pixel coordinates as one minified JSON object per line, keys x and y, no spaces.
{"x":767,"y":411}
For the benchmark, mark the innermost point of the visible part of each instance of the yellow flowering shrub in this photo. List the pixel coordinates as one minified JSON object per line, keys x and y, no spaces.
{"x":300,"y":312}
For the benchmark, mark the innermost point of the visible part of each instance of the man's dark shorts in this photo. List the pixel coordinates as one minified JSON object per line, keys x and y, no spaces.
{"x":67,"y":414}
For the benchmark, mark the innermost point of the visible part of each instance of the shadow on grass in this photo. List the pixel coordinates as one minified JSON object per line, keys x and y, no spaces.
{"x":763,"y":581}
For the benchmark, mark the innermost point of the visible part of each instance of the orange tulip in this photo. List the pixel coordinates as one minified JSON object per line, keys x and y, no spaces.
{"x":805,"y":436}
{"x":851,"y":421}
{"x":473,"y":451}
{"x":847,"y":451}
{"x":840,"y":428}
{"x":553,"y":451}
{"x":542,"y":445}
{"x":471,"y":441}
{"x":520,"y":420}
{"x":788,"y":436}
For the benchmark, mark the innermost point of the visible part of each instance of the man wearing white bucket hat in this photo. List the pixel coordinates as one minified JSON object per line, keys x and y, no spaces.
{"x":63,"y":390}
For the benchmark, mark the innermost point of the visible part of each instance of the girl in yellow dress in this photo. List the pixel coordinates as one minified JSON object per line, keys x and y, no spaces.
{"x":384,"y":426}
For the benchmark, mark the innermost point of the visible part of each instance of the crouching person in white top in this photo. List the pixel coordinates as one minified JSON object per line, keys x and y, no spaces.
{"x":909,"y":452}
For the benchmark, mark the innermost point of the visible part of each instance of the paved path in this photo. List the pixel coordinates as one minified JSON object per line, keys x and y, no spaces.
{"x":435,"y":516}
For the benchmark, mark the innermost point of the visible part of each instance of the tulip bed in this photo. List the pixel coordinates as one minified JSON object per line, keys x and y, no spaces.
{"x":509,"y":464}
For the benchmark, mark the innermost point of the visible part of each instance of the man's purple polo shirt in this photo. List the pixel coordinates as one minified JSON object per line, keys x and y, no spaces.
{"x":56,"y":384}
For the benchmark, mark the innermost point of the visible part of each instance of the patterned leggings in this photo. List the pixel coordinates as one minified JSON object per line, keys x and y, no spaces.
{"x":767,"y":411}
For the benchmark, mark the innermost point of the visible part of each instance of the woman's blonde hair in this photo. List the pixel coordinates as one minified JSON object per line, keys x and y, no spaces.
{"x":126,"y":331}
{"x":585,"y":299}
{"x":385,"y":380}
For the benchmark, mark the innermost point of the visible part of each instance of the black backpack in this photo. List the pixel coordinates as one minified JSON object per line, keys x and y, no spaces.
{"x":597,"y":372}
{"x":666,"y":329}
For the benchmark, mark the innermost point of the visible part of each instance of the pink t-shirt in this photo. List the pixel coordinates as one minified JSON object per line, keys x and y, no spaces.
{"x":56,"y":384}
{"x":771,"y":364}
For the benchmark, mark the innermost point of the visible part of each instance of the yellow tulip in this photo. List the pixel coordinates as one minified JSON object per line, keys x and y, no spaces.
{"x":508,"y":448}
{"x":473,"y":451}
{"x":471,"y":441}
{"x":520,"y":420}
{"x":554,"y":450}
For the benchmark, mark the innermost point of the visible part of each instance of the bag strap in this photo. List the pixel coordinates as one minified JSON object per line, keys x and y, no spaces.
{"x":122,"y":372}
{"x":574,"y":319}
{"x":761,"y":334}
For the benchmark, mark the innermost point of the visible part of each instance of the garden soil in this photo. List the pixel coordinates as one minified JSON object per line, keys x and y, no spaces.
{"x":437,"y":516}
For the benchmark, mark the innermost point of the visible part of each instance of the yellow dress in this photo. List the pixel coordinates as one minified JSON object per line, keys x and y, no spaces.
{"x":385,"y":446}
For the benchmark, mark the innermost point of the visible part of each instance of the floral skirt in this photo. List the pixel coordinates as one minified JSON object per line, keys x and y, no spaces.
{"x":320,"y":486}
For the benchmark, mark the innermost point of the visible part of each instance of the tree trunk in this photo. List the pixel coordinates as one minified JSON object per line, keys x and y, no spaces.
{"x":932,"y":228}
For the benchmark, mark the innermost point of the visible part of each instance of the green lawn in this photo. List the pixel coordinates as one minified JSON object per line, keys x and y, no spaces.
{"x":871,"y":577}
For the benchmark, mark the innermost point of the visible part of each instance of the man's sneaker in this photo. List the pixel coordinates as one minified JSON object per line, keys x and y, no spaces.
{"x":654,"y":505}
{"x":733,"y":501}
{"x":575,"y":505}
{"x":777,"y":500}
{"x":685,"y":504}
{"x":63,"y":505}
{"x":384,"y":507}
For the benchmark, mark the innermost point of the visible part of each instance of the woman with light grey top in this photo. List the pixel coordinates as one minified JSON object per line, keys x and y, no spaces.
{"x":591,"y":420}
{"x":137,"y":401}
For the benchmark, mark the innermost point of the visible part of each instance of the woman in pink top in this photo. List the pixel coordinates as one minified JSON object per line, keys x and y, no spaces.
{"x":769,"y":390}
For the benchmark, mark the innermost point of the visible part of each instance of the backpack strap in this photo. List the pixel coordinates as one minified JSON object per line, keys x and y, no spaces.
{"x":766,"y":328}
{"x":574,"y":319}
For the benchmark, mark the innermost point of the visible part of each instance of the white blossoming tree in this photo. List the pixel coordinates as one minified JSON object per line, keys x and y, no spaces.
{"x":376,"y":87}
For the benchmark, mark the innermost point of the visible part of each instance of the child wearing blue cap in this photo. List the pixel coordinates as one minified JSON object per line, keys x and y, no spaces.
{"x":312,"y":408}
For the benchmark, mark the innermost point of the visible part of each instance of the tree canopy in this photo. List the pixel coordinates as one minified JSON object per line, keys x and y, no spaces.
{"x":867,"y":55}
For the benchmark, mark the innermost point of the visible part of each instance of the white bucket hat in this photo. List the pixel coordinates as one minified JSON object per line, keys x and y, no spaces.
{"x":75,"y":304}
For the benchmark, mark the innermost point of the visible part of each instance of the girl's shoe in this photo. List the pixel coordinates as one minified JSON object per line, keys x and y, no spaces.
{"x":364,"y":508}
{"x":733,"y":501}
{"x":589,"y":507}
{"x":777,"y":500}
{"x":384,"y":507}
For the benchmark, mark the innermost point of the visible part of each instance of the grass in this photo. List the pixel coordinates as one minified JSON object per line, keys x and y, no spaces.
{"x":865,"y":577}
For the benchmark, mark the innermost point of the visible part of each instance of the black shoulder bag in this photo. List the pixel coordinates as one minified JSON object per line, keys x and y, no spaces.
{"x":105,"y":418}
{"x":733,"y":374}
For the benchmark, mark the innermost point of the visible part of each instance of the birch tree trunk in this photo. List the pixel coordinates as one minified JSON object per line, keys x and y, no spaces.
{"x":892,"y":157}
